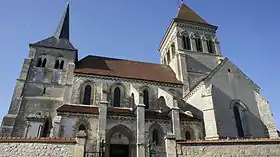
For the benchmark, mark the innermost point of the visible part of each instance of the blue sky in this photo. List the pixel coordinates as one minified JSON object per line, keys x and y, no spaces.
{"x":132,"y":29}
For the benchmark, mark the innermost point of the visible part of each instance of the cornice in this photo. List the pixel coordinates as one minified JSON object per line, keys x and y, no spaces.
{"x":159,"y":84}
{"x":208,"y":28}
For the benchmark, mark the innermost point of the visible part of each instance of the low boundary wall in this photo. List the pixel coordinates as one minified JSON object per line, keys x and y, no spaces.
{"x":223,"y":148}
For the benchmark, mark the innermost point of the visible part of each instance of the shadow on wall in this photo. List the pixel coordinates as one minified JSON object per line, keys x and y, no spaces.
{"x":196,"y":66}
{"x":187,"y":107}
{"x":226,"y":120}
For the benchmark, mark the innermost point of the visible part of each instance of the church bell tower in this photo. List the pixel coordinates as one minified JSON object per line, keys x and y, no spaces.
{"x":45,"y":83}
{"x":190,"y":47}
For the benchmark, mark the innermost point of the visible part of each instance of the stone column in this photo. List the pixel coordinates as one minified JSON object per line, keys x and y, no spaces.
{"x":140,"y":112}
{"x":170,"y":145}
{"x":80,"y":146}
{"x":103,"y":104}
{"x":176,"y":120}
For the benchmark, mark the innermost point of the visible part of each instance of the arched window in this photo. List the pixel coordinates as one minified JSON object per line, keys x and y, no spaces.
{"x":238,"y":122}
{"x":87,"y":95}
{"x":46,"y":131}
{"x":173,"y":50}
{"x":61,"y":64}
{"x":117,"y":97}
{"x":188,"y":135}
{"x":82,"y":127}
{"x":44,"y":62}
{"x":210,"y":46}
{"x":132,"y":100}
{"x":146,"y":99}
{"x":56,"y":64}
{"x":187,"y":42}
{"x":168,"y":56}
{"x":198,"y":44}
{"x":39,"y":62}
{"x":155,"y":137}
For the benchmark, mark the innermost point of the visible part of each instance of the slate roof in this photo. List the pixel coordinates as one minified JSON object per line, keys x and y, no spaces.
{"x":103,"y":66}
{"x":61,"y":38}
{"x":53,"y":42}
{"x":187,"y":14}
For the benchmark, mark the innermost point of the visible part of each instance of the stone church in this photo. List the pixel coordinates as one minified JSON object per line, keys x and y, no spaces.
{"x":194,"y":93}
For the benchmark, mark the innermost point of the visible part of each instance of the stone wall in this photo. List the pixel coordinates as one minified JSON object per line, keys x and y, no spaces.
{"x":224,"y":148}
{"x":32,"y":147}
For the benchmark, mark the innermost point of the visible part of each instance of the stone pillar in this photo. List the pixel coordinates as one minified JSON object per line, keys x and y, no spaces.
{"x":193,"y":45}
{"x":176,"y":120}
{"x":217,"y":48}
{"x":56,"y":126}
{"x":80,"y":146}
{"x":183,"y":75}
{"x":69,"y":83}
{"x":211,"y":131}
{"x":204,"y":45}
{"x":103,"y":104}
{"x":170,"y":145}
{"x":140,"y":112}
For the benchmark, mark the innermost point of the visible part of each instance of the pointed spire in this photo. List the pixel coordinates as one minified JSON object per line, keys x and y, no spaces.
{"x":63,"y":29}
{"x":187,"y":14}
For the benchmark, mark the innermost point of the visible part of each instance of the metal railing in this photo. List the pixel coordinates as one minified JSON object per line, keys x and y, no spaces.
{"x":93,"y":154}
{"x":101,"y":152}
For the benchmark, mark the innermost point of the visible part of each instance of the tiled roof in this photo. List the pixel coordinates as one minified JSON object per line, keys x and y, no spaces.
{"x":120,"y":111}
{"x":187,"y":14}
{"x":78,"y":109}
{"x":96,"y":65}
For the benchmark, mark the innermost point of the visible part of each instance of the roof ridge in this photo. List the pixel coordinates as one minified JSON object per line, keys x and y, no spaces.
{"x":122,"y":59}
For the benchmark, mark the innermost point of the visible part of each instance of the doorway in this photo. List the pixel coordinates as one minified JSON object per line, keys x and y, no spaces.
{"x":119,"y":150}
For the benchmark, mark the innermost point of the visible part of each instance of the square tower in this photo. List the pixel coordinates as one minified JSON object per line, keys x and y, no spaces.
{"x":190,"y":47}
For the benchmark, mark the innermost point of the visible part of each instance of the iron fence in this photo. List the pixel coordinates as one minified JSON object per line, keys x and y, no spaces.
{"x":93,"y":154}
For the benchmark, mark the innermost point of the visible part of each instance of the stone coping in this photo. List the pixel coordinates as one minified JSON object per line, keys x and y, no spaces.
{"x":227,"y":142}
{"x":36,"y":140}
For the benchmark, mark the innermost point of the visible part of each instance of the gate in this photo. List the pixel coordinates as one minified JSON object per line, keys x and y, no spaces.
{"x":100,"y":153}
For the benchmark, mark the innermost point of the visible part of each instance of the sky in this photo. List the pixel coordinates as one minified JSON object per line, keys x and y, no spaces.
{"x":132,"y":29}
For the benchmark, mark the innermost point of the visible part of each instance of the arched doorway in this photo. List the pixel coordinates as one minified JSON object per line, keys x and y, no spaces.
{"x":120,"y":142}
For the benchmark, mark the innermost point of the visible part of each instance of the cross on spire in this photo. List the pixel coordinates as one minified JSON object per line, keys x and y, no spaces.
{"x":180,"y":2}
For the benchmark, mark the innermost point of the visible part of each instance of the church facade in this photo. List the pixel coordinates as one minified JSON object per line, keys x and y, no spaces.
{"x":194,"y":93}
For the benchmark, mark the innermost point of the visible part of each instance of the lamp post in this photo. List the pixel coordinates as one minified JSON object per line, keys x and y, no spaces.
{"x":151,"y":148}
{"x":102,"y":148}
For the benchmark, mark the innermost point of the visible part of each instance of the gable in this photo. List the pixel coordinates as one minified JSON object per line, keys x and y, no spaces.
{"x":231,"y":72}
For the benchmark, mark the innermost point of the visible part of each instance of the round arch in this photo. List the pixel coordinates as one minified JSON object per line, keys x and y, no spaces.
{"x":160,"y":132}
{"x":81,"y":123}
{"x":122,"y":89}
{"x":188,"y":131}
{"x":123,"y":130}
{"x":83,"y":86}
{"x":238,"y":103}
